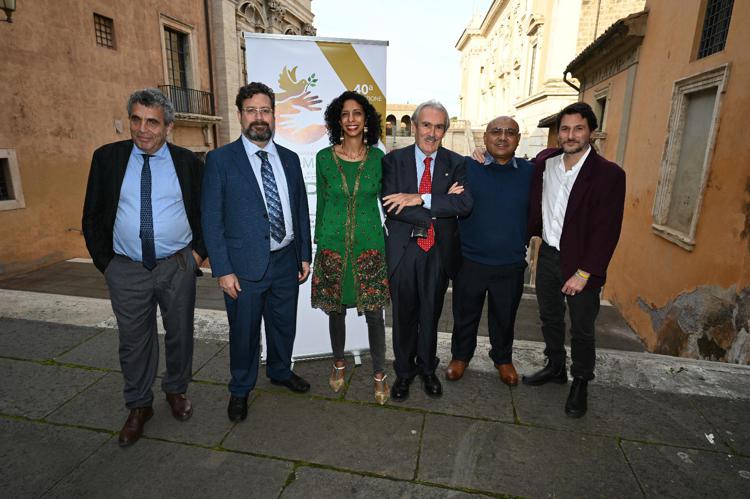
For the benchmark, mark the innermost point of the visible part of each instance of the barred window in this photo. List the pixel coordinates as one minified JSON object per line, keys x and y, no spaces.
{"x":176,"y":46}
{"x":104,"y":28}
{"x":715,"y":27}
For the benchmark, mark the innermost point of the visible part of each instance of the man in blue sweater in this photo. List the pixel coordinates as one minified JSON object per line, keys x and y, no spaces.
{"x":493,"y":245}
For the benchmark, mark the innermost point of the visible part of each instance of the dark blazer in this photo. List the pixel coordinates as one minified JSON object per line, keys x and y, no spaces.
{"x":400,"y":175}
{"x":235,"y":218}
{"x":107,"y":172}
{"x":593,"y":217}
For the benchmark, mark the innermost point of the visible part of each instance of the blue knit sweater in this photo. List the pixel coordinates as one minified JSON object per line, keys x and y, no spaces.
{"x":495,"y":231}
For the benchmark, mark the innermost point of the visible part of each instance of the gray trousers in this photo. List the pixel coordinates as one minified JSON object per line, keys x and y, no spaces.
{"x":135,"y":292}
{"x":375,"y":331}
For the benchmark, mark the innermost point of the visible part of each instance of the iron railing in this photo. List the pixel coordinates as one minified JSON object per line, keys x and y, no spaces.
{"x":189,"y":100}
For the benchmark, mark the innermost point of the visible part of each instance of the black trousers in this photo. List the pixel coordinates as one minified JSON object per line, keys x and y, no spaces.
{"x":475,"y":281}
{"x":417,"y":291}
{"x":584,"y":307}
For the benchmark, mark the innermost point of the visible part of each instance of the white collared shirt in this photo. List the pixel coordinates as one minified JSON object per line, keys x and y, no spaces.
{"x":281,"y":185}
{"x":556,"y":186}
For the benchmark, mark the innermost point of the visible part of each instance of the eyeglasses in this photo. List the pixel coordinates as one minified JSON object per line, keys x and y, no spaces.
{"x":263,"y":111}
{"x":509,"y":132}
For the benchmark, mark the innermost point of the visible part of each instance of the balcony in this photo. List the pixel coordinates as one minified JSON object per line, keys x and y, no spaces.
{"x":192,"y":107}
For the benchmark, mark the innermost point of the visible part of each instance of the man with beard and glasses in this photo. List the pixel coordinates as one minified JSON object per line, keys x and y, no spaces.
{"x":423,"y":195}
{"x":493,"y":246}
{"x":258,"y":239}
{"x":577,"y":202}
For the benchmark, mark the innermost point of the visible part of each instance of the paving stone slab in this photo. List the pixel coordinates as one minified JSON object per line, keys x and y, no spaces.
{"x":623,"y":412}
{"x":476,"y":394}
{"x":35,"y":456}
{"x":316,"y":372}
{"x":341,"y":434}
{"x":216,"y":369}
{"x":315,"y":482}
{"x":34,"y":390}
{"x":682,"y":473}
{"x":162,"y":469}
{"x":26,"y":339}
{"x":102,"y":352}
{"x":102,"y":406}
{"x":514,"y":459}
{"x":730,"y":418}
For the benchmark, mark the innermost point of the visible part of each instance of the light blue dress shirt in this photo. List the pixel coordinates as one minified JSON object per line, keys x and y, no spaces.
{"x":171,"y":227}
{"x":281,"y":186}
{"x":420,"y":156}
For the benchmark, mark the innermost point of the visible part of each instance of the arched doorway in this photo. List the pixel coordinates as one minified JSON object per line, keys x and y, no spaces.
{"x":405,"y":129}
{"x":390,"y":125}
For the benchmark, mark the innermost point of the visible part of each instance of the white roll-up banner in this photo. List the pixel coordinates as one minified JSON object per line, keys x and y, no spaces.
{"x":307,"y":73}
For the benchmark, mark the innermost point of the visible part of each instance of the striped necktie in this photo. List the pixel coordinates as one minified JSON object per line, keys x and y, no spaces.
{"x":273,"y":202}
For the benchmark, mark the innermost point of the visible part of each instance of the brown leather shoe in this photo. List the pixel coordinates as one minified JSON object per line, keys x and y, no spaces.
{"x":182,"y":409}
{"x":133,"y":428}
{"x":455,"y":370}
{"x":508,"y":374}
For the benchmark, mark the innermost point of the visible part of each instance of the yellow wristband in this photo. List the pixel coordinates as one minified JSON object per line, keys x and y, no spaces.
{"x":583,"y":275}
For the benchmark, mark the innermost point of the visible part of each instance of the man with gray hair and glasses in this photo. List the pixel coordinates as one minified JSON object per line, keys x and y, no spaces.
{"x":142,"y":225}
{"x":423,"y":195}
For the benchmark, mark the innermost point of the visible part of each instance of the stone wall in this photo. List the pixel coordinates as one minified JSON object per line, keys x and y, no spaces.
{"x":598,"y":15}
{"x":708,"y":323}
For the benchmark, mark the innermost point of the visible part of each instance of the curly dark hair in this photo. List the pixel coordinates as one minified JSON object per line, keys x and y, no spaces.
{"x":252,"y":88}
{"x":333,"y":117}
{"x":579,"y":108}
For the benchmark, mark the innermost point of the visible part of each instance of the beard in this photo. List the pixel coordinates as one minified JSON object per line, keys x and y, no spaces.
{"x":262,"y":134}
{"x":572,"y":147}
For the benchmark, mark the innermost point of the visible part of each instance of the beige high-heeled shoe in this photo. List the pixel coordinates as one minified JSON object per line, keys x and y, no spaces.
{"x":382,"y":390}
{"x":336,"y":381}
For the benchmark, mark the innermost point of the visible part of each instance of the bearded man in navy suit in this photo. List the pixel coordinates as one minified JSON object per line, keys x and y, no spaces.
{"x":258,"y":241}
{"x":576,"y":207}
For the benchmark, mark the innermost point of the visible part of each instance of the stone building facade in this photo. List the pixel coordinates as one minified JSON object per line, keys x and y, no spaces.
{"x":670,"y":87}
{"x":513,"y":59}
{"x":67,"y":74}
{"x":67,"y":71}
{"x":229,"y":19}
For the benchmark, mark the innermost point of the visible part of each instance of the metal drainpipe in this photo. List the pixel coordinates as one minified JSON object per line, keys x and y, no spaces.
{"x":210,"y":69}
{"x":565,"y":79}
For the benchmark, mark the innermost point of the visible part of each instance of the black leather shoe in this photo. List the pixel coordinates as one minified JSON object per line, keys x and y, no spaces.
{"x":556,"y":373}
{"x":294,"y":383}
{"x":400,"y":389}
{"x":431,"y":385}
{"x":576,"y":405}
{"x":237,"y":409}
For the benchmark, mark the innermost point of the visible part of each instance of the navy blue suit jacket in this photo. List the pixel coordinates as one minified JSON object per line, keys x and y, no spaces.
{"x":235,"y":219}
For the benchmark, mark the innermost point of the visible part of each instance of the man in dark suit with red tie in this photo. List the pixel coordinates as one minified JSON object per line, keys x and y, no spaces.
{"x":577,"y":201}
{"x":423,"y":195}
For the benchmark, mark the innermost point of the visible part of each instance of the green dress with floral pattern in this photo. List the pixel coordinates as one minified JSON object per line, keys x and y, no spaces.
{"x":349,"y":268}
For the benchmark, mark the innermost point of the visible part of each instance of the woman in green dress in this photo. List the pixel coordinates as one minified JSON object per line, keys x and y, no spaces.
{"x":350,"y":269}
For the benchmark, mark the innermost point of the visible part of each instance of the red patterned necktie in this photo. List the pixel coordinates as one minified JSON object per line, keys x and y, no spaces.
{"x":425,"y":187}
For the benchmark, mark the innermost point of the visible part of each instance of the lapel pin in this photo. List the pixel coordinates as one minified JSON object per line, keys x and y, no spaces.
{"x":446,"y":174}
